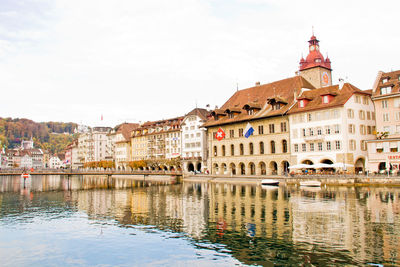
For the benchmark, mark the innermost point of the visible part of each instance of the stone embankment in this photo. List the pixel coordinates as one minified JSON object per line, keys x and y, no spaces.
{"x":344,"y":180}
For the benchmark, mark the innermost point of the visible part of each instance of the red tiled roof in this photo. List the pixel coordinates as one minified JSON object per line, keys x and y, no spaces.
{"x":315,"y":96}
{"x":393,"y":80}
{"x":259,"y":95}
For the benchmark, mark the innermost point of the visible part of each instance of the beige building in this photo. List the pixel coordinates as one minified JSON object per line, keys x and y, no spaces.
{"x":264,"y":108}
{"x":384,"y":151}
{"x":122,"y":147}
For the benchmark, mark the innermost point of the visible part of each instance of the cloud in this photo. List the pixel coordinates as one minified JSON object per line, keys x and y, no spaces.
{"x":76,"y":60}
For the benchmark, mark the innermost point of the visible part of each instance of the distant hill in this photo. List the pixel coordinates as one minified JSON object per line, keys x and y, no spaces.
{"x":52,"y":136}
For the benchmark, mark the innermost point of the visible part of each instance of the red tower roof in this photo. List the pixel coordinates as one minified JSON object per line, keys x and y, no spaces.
{"x":314,"y":58}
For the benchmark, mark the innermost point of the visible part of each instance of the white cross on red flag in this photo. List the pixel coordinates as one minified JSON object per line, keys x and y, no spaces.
{"x":220,"y":134}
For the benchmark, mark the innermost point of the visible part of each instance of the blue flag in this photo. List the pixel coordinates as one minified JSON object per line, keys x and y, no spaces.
{"x":248,"y":130}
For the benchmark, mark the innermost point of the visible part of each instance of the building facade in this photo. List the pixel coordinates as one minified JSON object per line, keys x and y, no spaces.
{"x":384,"y":150}
{"x":194,"y":141}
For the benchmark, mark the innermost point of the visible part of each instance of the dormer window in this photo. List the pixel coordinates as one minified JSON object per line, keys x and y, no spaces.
{"x":325,"y":99}
{"x":301,"y":103}
{"x":318,"y":60}
{"x":385,"y":80}
{"x":250,"y":111}
{"x":386,"y":90}
{"x":231,"y":115}
{"x":276,"y":106}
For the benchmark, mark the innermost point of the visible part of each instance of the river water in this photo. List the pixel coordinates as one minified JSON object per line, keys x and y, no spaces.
{"x":98,"y":221}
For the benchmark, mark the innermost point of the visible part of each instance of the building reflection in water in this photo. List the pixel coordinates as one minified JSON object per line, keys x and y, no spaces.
{"x":257,"y":225}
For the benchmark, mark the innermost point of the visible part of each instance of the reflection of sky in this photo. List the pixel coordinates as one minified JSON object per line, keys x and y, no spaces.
{"x":77,"y":241}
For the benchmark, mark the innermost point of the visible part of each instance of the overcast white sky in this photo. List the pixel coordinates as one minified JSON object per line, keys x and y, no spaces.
{"x":67,"y":60}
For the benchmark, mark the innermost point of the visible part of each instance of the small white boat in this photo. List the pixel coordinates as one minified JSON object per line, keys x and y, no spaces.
{"x":25,"y":175}
{"x":269,"y":182}
{"x":311,"y":183}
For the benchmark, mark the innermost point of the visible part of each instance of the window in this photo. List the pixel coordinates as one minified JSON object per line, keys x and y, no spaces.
{"x":363,"y":145}
{"x":311,"y":131}
{"x":272,"y":147}
{"x":240,"y":132}
{"x":385,"y":116}
{"x":362,"y":129}
{"x":251,"y":148}
{"x":328,"y":146}
{"x":337,"y":128}
{"x":327,"y":130}
{"x":358,"y":99}
{"x":319,"y":146}
{"x":369,"y":129}
{"x":261,"y":147}
{"x":325,"y":99}
{"x":337,"y":145}
{"x":368,"y":115}
{"x":319,"y":131}
{"x":241,"y":149}
{"x":350,"y":113}
{"x":397,"y":128}
{"x":215,"y":151}
{"x":232,"y":150}
{"x":365,"y":100}
{"x":386,"y":90}
{"x":384,"y":104}
{"x":304,"y":132}
{"x":272,"y":128}
{"x":303,"y":147}
{"x":310,"y":117}
{"x":352,"y":128}
{"x":301,"y":103}
{"x":352,"y":145}
{"x":385,"y":80}
{"x":284,"y":146}
{"x":397,"y":115}
{"x":231,"y":115}
{"x":283,"y":127}
{"x":223,"y":150}
{"x":296,"y":148}
{"x":231,"y":133}
{"x":250,"y":111}
{"x":396,"y":102}
{"x":361,"y":114}
{"x":311,"y":146}
{"x":373,"y":115}
{"x":260,"y":129}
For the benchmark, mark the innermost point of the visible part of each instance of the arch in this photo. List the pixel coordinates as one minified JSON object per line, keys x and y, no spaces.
{"x":262,"y":148}
{"x":224,"y":169}
{"x":285,"y":167}
{"x":382,"y":166}
{"x":241,"y":149}
{"x":251,"y":149}
{"x":215,"y":151}
{"x":307,"y":161}
{"x":359,"y":165}
{"x":232,"y":150}
{"x":215,"y":168}
{"x":171,"y":168}
{"x":284,"y":146}
{"x":165,"y":168}
{"x":273,"y":166}
{"x":232,"y":168}
{"x":252,"y":168}
{"x":190,"y":167}
{"x":242,"y":168}
{"x":263,"y":168}
{"x":198,"y":167}
{"x":272,"y":147}
{"x":223,"y":150}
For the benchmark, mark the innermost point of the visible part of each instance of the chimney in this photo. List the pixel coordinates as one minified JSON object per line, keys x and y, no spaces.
{"x":257,"y":83}
{"x":341,"y":83}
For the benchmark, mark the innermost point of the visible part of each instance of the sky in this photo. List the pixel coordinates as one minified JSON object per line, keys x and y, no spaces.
{"x":135,"y":61}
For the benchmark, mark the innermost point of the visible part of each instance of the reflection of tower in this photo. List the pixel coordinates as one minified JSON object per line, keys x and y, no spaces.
{"x":315,"y":69}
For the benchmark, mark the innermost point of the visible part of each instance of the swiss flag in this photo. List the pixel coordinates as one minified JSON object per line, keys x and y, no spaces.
{"x":220,"y":134}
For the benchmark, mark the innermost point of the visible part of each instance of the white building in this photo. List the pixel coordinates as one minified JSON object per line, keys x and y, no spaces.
{"x":55,"y":162}
{"x":122,"y":141}
{"x":92,"y":145}
{"x":331,"y":125}
{"x":194,"y":140}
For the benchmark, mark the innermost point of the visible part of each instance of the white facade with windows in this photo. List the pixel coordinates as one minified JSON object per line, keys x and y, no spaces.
{"x":334,"y":135}
{"x":194,"y":141}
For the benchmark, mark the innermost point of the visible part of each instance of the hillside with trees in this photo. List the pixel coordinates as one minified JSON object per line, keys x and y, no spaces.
{"x":51,"y":136}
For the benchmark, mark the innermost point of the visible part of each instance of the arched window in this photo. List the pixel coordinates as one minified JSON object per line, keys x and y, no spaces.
{"x":215,"y":151}
{"x":272,"y":147}
{"x":251,"y":148}
{"x":284,"y":146}
{"x":261,"y":147}
{"x":223,"y":150}
{"x":241,"y":149}
{"x":232,"y":150}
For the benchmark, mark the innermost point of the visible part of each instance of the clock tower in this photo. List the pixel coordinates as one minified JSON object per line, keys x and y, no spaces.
{"x":315,"y":68}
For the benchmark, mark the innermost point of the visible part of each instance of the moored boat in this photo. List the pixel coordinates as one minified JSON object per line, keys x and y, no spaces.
{"x":269,"y":182}
{"x":311,"y":183}
{"x":25,"y":175}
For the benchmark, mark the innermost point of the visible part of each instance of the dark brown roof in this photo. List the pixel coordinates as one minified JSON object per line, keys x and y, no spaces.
{"x":315,"y":96}
{"x":201,"y":112}
{"x":258,"y":96}
{"x":174,"y":122}
{"x":126,"y":128}
{"x":393,"y":80}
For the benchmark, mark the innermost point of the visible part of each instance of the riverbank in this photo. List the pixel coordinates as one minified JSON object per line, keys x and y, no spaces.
{"x":348,"y":180}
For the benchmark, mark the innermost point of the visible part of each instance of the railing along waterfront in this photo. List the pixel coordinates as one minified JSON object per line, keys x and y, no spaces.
{"x":89,"y":171}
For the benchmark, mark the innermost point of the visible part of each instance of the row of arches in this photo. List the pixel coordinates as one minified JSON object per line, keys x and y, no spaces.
{"x":261,"y":168}
{"x":261,"y":149}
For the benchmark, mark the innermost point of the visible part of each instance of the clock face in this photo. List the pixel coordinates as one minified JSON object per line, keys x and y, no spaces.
{"x":325,"y":78}
{"x":312,"y":48}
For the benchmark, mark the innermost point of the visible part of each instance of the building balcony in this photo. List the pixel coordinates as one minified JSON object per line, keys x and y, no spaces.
{"x":192,"y":158}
